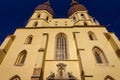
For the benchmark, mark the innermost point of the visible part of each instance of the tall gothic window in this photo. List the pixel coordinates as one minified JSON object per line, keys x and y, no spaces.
{"x":61,"y":47}
{"x":92,"y":35}
{"x":29,"y":39}
{"x":16,"y":77}
{"x":99,"y":55}
{"x":21,"y":58}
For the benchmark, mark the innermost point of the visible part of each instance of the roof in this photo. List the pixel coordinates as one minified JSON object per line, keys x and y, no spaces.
{"x":45,"y":6}
{"x":76,"y":7}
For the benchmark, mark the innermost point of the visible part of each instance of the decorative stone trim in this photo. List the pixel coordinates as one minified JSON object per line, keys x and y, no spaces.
{"x":36,"y":74}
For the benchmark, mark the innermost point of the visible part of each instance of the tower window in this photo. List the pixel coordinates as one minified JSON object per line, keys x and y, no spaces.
{"x":92,"y":35}
{"x":74,"y":19}
{"x":21,"y":58}
{"x":16,"y":77}
{"x":83,"y":16}
{"x":61,"y":47}
{"x":47,"y":18}
{"x":35,"y":24}
{"x":29,"y":39}
{"x":38,"y":16}
{"x":99,"y":55}
{"x":85,"y":24}
{"x":98,"y":58}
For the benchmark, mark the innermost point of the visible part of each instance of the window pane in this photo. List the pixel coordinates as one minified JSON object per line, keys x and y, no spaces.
{"x":99,"y":55}
{"x":61,"y":47}
{"x":21,"y":58}
{"x":98,"y":58}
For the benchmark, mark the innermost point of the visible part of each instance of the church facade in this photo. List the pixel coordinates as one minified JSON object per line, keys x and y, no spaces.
{"x":48,"y":48}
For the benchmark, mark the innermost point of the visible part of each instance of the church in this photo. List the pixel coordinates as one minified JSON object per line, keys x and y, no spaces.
{"x":72,"y":48}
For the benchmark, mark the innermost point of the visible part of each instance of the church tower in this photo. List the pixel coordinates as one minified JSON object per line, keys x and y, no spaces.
{"x":48,"y":48}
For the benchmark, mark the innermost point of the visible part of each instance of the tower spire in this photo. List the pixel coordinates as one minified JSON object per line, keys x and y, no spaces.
{"x":45,"y":6}
{"x":74,"y":2}
{"x":47,"y":2}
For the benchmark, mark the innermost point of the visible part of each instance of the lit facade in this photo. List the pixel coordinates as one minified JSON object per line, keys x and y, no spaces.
{"x":73,"y":48}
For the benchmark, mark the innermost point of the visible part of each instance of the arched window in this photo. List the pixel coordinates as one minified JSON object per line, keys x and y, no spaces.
{"x":109,"y":78}
{"x":21,"y":58}
{"x":16,"y":77}
{"x":99,"y":55}
{"x":35,"y":24}
{"x":61,"y":47}
{"x":92,"y":35}
{"x":29,"y":39}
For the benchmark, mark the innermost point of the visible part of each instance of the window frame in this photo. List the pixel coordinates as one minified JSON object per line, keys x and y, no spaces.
{"x":61,"y":45}
{"x":21,"y":58}
{"x":29,"y":39}
{"x":101,"y":55}
{"x":92,"y":36}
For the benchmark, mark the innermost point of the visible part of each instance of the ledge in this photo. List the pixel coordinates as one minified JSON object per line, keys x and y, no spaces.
{"x":41,"y":49}
{"x":61,"y":60}
{"x":95,"y":26}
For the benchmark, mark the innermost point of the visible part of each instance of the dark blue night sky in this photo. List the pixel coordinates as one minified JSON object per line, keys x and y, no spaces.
{"x":15,"y":13}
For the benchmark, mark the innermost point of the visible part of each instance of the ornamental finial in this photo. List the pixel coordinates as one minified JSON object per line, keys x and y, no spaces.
{"x":74,"y":2}
{"x":47,"y":2}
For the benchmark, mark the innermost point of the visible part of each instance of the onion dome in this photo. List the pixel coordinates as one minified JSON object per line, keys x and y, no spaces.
{"x":45,"y":6}
{"x":75,"y":6}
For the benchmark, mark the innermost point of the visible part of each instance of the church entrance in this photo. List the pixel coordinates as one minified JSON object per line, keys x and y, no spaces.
{"x":61,"y":74}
